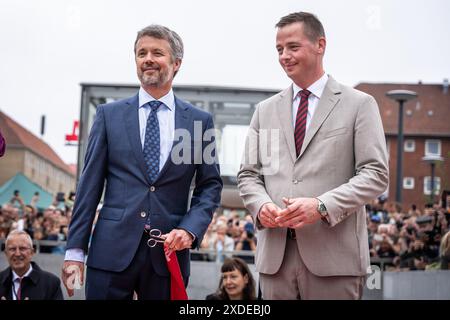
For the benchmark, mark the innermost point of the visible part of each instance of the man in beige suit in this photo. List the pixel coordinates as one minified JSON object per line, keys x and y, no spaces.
{"x":315,"y":155}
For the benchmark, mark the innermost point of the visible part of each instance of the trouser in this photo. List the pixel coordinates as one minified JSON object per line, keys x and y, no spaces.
{"x":294,"y":281}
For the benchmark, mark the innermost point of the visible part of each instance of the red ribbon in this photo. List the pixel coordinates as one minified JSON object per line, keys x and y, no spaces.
{"x":177,"y":289}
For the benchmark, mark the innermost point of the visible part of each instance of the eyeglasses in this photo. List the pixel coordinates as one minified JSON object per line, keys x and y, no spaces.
{"x":155,"y":237}
{"x":12,"y":250}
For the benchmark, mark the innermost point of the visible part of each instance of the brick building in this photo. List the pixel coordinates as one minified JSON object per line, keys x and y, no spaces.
{"x":426,"y":122}
{"x":29,"y":155}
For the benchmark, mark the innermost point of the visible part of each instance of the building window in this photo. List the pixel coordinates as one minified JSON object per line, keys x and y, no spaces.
{"x":433,"y":148}
{"x":410,"y":145}
{"x":427,"y":185}
{"x":408,"y":183}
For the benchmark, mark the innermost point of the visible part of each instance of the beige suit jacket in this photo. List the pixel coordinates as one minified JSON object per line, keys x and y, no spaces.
{"x":343,"y":162}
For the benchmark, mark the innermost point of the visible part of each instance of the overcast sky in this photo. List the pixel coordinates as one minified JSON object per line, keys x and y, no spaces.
{"x":48,"y":47}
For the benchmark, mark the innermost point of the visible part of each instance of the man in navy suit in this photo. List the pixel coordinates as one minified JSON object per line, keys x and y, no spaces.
{"x":145,"y":148}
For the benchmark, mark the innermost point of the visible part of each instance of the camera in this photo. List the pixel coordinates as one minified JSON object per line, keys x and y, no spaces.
{"x":60,"y":197}
{"x":423,"y":220}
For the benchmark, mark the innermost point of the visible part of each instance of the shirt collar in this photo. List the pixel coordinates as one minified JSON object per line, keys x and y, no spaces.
{"x":15,"y":276}
{"x":145,"y":97}
{"x":316,"y":88}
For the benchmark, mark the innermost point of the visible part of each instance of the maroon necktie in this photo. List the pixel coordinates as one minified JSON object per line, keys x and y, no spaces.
{"x":19,"y":291}
{"x":300,"y":121}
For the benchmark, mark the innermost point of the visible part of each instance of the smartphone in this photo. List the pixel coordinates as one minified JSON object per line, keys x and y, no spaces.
{"x":378,"y":237}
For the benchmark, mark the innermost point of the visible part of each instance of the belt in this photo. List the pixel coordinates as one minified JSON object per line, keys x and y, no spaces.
{"x":291,"y":234}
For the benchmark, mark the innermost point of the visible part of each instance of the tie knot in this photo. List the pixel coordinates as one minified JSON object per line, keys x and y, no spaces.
{"x":304,"y":93}
{"x":155,"y":104}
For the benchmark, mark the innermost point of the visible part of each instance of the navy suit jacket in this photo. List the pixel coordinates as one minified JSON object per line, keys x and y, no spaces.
{"x":114,"y":155}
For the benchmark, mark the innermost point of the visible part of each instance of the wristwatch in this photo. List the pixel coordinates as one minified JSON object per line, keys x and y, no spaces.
{"x":321,"y":208}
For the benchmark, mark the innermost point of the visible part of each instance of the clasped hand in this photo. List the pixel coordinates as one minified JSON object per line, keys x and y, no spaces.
{"x":298,"y":213}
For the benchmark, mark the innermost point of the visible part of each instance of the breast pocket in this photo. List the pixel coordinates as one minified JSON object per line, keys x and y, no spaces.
{"x":108,"y":213}
{"x":335,"y":132}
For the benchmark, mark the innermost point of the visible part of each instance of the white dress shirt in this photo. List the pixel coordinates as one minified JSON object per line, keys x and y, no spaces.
{"x":166,"y":120}
{"x":316,"y":90}
{"x":16,"y":282}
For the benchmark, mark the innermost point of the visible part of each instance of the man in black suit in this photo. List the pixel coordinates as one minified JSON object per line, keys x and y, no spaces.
{"x":23,"y":279}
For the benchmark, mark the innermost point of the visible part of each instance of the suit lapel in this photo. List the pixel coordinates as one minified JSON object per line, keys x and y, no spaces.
{"x":284,"y":113}
{"x":328,"y":101}
{"x":182,"y":121}
{"x":132,"y":126}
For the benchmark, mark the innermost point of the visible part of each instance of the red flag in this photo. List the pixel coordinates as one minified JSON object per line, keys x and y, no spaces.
{"x":177,"y":289}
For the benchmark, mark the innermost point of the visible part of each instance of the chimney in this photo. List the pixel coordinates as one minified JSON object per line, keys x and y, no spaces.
{"x":445,"y":86}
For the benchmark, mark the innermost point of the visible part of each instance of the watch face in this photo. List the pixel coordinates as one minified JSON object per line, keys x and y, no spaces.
{"x":322,"y":208}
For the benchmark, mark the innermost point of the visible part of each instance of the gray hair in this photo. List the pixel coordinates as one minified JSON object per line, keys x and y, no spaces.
{"x":19,"y":233}
{"x":161,"y":32}
{"x":312,"y":26}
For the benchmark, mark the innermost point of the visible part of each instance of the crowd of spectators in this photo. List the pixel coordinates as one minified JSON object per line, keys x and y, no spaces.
{"x":226,"y":233}
{"x":399,"y":240}
{"x":408,"y":240}
{"x":49,"y":223}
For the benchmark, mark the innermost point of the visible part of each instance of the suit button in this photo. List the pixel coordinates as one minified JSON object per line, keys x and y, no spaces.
{"x":152,"y":188}
{"x":143,"y":214}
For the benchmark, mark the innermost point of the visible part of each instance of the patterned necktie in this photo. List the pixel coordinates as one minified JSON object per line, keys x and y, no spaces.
{"x":151,"y":144}
{"x":300,"y":122}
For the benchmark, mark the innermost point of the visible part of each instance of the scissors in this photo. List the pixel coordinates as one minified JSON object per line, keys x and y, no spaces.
{"x":155,"y":237}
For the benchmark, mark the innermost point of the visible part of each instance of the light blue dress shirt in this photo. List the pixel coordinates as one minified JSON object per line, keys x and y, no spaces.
{"x":166,"y":120}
